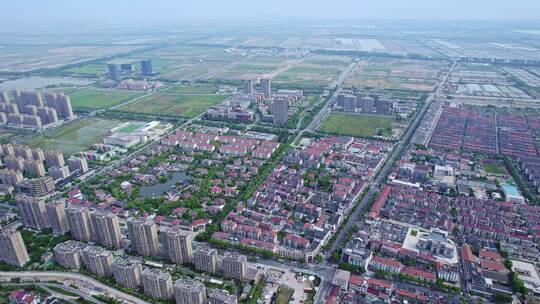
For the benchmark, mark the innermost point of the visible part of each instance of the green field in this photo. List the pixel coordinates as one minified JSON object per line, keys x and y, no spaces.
{"x":92,"y":99}
{"x":173,"y":105}
{"x":494,"y":169}
{"x":193,"y":89}
{"x":284,"y":295}
{"x":357,"y":125}
{"x":76,"y":136}
{"x":90,"y":69}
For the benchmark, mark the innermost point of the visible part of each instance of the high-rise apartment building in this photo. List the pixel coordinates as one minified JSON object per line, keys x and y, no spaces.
{"x":247,"y":86}
{"x":177,"y":244}
{"x":106,"y":227}
{"x":205,"y":259}
{"x":157,"y":284}
{"x":113,"y":72}
{"x":280,"y":110}
{"x":54,"y":158}
{"x":56,"y":213}
{"x":69,"y":254}
{"x":77,"y":164}
{"x":235,"y":266}
{"x":79,"y":222}
{"x":12,"y":248}
{"x":219,"y":296}
{"x":127,"y":272}
{"x":33,"y":212}
{"x":98,"y":260}
{"x":266,"y":88}
{"x":146,"y":67}
{"x":188,"y":291}
{"x":143,"y":236}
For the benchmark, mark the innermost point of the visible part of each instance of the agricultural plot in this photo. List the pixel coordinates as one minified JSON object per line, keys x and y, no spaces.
{"x":76,"y":136}
{"x":93,"y":99}
{"x":358,"y":125}
{"x":193,"y":89}
{"x":395,"y":74}
{"x":173,"y":104}
{"x":314,"y":71}
{"x":256,"y":67}
{"x":93,"y":69}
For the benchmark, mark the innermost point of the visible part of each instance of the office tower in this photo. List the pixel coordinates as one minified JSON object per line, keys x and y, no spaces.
{"x":349,"y":104}
{"x":40,"y":186}
{"x":98,"y":260}
{"x":106,"y":227}
{"x":205,"y":259}
{"x":25,"y":98}
{"x":54,"y":158}
{"x":60,"y":103}
{"x":176,"y":244}
{"x":47,"y":115}
{"x":146,"y":67}
{"x":266,"y":88}
{"x":143,"y":236}
{"x":56,"y":212}
{"x":12,"y":248}
{"x":77,"y":164}
{"x":24,"y":152}
{"x":79,"y":222}
{"x":157,"y":284}
{"x":187,"y":291}
{"x":38,"y":154}
{"x":7,"y":150}
{"x":234,"y":266}
{"x":247,"y":86}
{"x":219,"y":296}
{"x":34,"y":168}
{"x":59,"y":172}
{"x":280,"y":109}
{"x":69,"y":254}
{"x":10,"y":177}
{"x":113,"y":71}
{"x":126,"y":67}
{"x":365,"y":104}
{"x":127,"y":272}
{"x":33,"y":212}
{"x":15,"y":163}
{"x":4,"y":97}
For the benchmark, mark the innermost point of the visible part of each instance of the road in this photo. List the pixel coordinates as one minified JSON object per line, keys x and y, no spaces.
{"x":381,"y":176}
{"x":80,"y":280}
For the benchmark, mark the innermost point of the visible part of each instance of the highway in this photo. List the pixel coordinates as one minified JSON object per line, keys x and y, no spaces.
{"x":82,"y":281}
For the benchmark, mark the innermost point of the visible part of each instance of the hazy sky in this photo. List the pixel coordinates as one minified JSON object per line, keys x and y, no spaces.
{"x":30,"y":12}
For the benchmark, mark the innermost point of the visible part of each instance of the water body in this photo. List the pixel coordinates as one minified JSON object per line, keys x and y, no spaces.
{"x":160,"y":188}
{"x":37,"y":82}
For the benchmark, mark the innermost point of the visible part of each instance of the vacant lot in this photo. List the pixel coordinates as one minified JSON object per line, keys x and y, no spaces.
{"x":314,"y":71}
{"x":193,"y":89}
{"x":173,"y":105}
{"x":357,"y":125}
{"x":76,"y":136}
{"x":284,"y":295}
{"x":89,"y":69}
{"x":93,"y":99}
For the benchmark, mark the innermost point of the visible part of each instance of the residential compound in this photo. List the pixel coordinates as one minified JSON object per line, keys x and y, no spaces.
{"x":34,"y":110}
{"x":303,"y":203}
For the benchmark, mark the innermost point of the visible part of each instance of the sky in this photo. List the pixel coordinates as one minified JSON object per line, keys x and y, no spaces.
{"x":44,"y":12}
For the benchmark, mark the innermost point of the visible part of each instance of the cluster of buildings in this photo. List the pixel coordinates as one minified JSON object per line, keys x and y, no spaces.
{"x":347,"y":102}
{"x":130,"y":134}
{"x":24,"y":169}
{"x":115,"y":70}
{"x":275,"y":107}
{"x":305,"y":198}
{"x":138,"y":85}
{"x":34,"y":110}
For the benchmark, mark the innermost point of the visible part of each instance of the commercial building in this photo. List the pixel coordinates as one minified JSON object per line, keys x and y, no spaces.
{"x":98,"y":260}
{"x":234,"y":266}
{"x":218,"y":296}
{"x":280,"y":110}
{"x":205,"y":259}
{"x":157,"y":284}
{"x":69,"y":254}
{"x":56,"y":213}
{"x":106,"y":228}
{"x":176,"y":244}
{"x":79,"y":222}
{"x":143,"y":236}
{"x":146,"y":67}
{"x":127,"y":272}
{"x":113,"y":72}
{"x":12,"y":248}
{"x":189,"y":292}
{"x":33,"y":212}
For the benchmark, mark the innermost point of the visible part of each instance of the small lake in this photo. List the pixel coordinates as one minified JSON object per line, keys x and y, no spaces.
{"x":36,"y":82}
{"x":160,"y":188}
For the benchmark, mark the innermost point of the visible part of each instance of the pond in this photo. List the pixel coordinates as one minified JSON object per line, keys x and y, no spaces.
{"x":36,"y":82}
{"x":161,"y":188}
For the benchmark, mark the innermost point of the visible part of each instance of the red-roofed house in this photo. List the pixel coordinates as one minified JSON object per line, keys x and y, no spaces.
{"x":386,"y":265}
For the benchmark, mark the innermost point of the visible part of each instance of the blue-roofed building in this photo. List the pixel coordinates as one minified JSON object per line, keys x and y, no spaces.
{"x":512,"y":194}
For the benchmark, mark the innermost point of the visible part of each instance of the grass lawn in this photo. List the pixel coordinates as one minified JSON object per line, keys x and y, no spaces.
{"x":90,"y":69}
{"x":494,"y":169}
{"x":357,"y":125}
{"x":173,"y":105}
{"x":76,"y":136}
{"x":92,"y":99}
{"x":193,"y":89}
{"x":284,"y":295}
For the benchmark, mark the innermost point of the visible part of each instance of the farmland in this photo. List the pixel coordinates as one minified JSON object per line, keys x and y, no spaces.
{"x":314,"y":71}
{"x":93,"y":99}
{"x":357,"y":125}
{"x":192,"y":89}
{"x":75,"y":136}
{"x":173,"y":105}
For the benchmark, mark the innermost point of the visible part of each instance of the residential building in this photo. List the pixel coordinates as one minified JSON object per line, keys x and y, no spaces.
{"x":219,"y":296}
{"x":157,"y":284}
{"x":77,"y":164}
{"x":69,"y":254}
{"x":113,"y":72}
{"x":79,"y":222}
{"x":106,"y":226}
{"x":98,"y":260}
{"x":12,"y":248}
{"x":280,"y":110}
{"x":56,"y":213}
{"x":37,"y":187}
{"x":146,"y":67}
{"x":54,"y":158}
{"x":127,"y":272}
{"x":266,"y":88}
{"x":234,"y":266}
{"x":177,"y":244}
{"x":143,"y":236}
{"x":247,"y":86}
{"x":205,"y":259}
{"x":33,"y":212}
{"x":188,"y":291}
